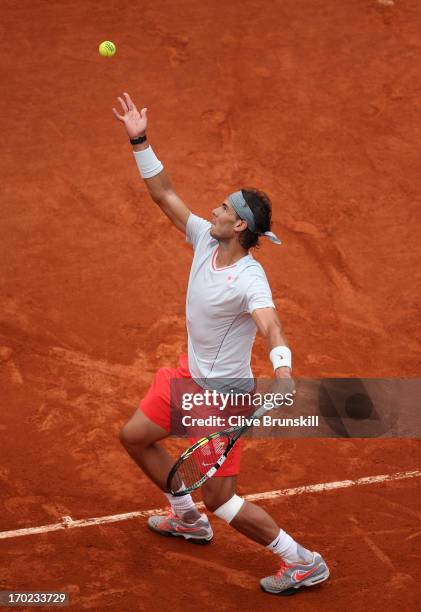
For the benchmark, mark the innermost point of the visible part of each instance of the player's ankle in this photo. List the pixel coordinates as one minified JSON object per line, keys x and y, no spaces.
{"x":191,"y":516}
{"x":304,"y":554}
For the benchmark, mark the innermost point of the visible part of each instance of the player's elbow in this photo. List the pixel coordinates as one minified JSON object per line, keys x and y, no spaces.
{"x":275,"y":334}
{"x":159,"y":198}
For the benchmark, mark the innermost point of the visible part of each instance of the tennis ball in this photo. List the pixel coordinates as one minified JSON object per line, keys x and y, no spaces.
{"x":107,"y":48}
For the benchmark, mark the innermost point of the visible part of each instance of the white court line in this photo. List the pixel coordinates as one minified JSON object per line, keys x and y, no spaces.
{"x":68,"y":523}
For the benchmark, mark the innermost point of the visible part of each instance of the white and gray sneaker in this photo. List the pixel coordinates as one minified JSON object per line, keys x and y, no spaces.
{"x":170,"y":524}
{"x":289,"y":578}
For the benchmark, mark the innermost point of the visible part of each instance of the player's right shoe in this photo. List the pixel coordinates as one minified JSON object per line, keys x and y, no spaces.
{"x":170,"y":524}
{"x":290,"y":578}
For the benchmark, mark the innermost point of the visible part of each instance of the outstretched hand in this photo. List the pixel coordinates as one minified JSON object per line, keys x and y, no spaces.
{"x":134,"y":121}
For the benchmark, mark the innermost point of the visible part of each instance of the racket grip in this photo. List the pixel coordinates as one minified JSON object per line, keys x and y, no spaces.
{"x":261,"y":411}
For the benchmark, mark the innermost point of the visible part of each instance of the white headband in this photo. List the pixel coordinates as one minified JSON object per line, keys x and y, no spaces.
{"x":244,"y":211}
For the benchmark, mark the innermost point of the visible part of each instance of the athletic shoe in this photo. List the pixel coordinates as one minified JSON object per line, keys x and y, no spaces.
{"x":170,"y":524}
{"x":289,"y":578}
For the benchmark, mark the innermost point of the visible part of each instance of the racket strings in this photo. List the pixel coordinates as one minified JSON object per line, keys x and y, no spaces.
{"x":195,"y":465}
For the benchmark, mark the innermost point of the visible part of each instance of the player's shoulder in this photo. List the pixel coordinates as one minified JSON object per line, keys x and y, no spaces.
{"x":252,"y":268}
{"x":198,"y":230}
{"x":252,"y":276}
{"x":198,"y":223}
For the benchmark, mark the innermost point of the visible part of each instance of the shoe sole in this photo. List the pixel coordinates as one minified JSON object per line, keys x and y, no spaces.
{"x":295,"y":589}
{"x":189,"y":538}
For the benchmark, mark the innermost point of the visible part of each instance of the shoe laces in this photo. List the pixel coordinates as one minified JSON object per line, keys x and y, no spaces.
{"x":170,"y":514}
{"x":283,"y":568}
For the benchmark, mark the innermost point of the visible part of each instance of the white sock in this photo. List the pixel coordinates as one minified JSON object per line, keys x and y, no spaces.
{"x":287,"y":548}
{"x":181,"y":505}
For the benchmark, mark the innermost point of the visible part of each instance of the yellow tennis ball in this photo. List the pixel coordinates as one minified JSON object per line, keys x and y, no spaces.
{"x":107,"y":48}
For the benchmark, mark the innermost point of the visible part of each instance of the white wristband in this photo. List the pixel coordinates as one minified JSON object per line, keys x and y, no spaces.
{"x":281,"y":357}
{"x":147,"y":163}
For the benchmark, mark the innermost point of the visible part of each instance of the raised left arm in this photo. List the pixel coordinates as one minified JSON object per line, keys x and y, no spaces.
{"x":269,"y":325}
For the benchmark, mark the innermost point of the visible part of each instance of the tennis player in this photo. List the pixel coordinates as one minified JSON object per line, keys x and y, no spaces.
{"x":228,"y":297}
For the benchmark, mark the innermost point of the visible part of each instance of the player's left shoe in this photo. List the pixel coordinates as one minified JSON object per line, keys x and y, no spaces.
{"x":289,"y":578}
{"x":170,"y":524}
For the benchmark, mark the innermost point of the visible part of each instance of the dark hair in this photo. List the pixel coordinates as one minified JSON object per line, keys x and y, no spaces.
{"x":261,"y":208}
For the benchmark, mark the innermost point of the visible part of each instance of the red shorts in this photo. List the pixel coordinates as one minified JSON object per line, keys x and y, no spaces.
{"x":156,"y":406}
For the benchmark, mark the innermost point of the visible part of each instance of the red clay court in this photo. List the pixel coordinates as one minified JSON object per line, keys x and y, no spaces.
{"x":318,"y":103}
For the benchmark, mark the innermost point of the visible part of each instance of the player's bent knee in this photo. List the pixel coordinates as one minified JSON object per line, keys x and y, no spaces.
{"x":141,"y":432}
{"x":123,"y":436}
{"x":230,"y":509}
{"x":128,"y":437}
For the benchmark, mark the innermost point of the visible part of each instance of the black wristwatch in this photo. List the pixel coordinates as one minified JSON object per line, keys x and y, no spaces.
{"x":138,"y":140}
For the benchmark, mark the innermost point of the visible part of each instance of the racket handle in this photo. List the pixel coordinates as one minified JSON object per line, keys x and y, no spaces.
{"x":261,"y":411}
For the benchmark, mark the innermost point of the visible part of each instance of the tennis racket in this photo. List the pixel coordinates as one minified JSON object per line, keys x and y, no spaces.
{"x":201,"y":461}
